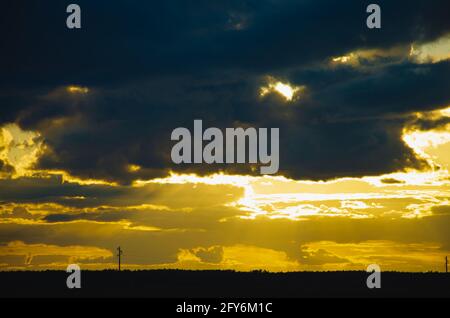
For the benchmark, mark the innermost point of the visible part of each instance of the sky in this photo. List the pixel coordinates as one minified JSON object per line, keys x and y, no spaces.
{"x":86,"y":117}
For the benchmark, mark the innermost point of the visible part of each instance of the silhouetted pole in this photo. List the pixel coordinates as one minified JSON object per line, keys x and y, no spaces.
{"x":446,"y":264}
{"x":119,"y":255}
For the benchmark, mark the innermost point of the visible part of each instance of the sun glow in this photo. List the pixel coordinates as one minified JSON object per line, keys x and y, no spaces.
{"x":419,"y":141}
{"x":352,"y":57}
{"x":359,"y":57}
{"x":432,"y":52}
{"x":213,"y":179}
{"x":431,"y":145}
{"x":133,"y":168}
{"x":19,"y":148}
{"x":75,"y":89}
{"x":288,"y":91}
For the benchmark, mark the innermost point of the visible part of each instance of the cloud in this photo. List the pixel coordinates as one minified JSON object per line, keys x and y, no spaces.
{"x":134,"y":95}
{"x":188,"y":231}
{"x":387,"y":254}
{"x":391,"y":181}
{"x":238,"y":257}
{"x":53,"y":189}
{"x":213,"y":254}
{"x":319,"y":257}
{"x":441,"y":209}
{"x":86,"y":119}
{"x":70,"y":253}
{"x":19,"y":150}
{"x":340,"y":116}
{"x":6,"y":169}
{"x":17,"y":213}
{"x":204,"y":34}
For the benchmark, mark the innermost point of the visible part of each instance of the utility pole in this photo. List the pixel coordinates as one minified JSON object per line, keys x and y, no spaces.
{"x":446,"y":264}
{"x":119,"y":255}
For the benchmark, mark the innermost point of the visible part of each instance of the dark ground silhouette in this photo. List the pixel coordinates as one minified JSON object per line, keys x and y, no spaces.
{"x":192,"y":284}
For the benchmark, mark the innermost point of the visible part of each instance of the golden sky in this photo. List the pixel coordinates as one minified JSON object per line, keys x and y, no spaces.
{"x":223,"y":221}
{"x":364,"y":119}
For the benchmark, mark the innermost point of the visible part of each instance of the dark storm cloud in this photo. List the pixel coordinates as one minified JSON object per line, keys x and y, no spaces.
{"x":142,"y":39}
{"x":152,"y":67}
{"x":430,"y":122}
{"x":397,"y":89}
{"x":337,"y":117}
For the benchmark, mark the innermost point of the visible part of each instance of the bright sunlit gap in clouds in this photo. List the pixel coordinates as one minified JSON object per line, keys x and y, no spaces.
{"x":288,"y":91}
{"x":419,"y":53}
{"x":19,"y":148}
{"x":278,"y":197}
{"x":433,"y":146}
{"x":359,"y":58}
{"x":345,"y":58}
{"x":430,"y":144}
{"x":75,"y":89}
{"x":433,"y":52}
